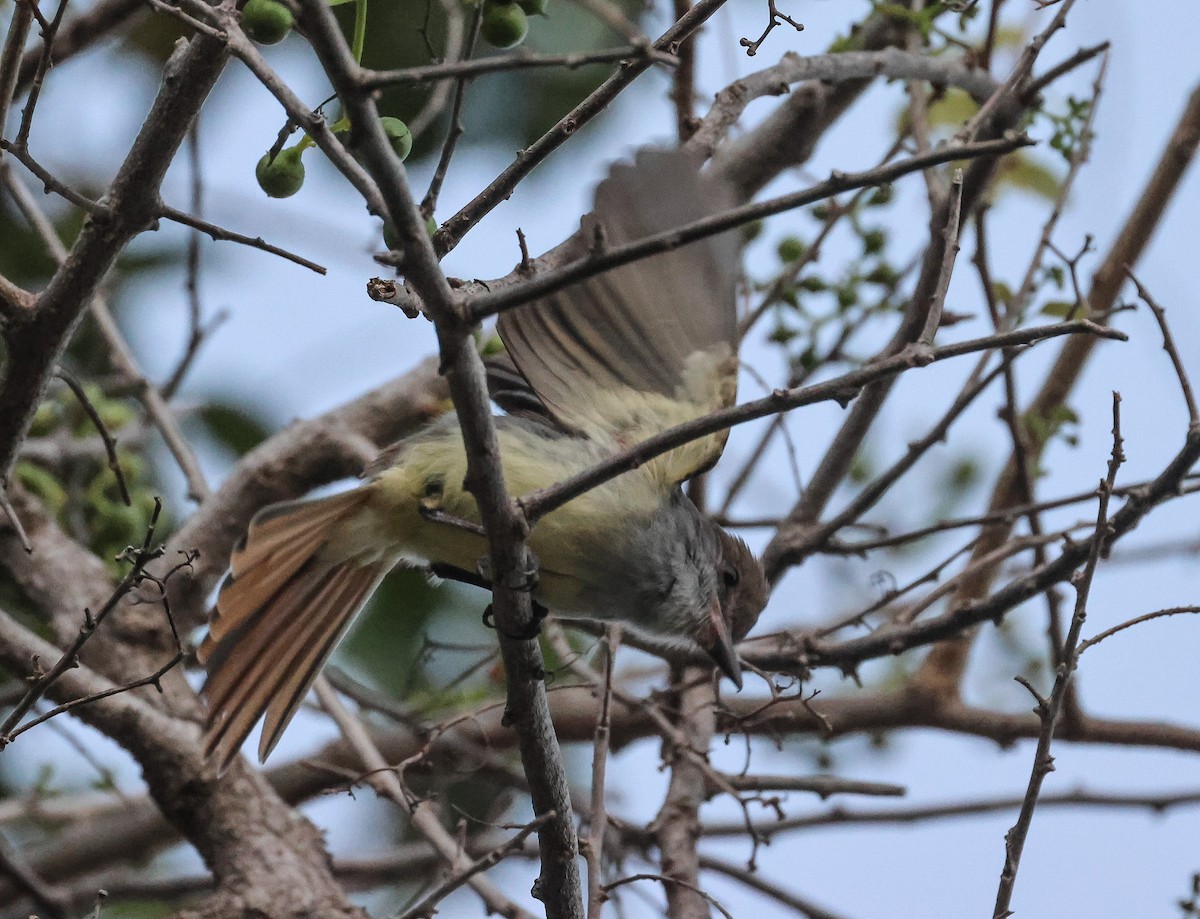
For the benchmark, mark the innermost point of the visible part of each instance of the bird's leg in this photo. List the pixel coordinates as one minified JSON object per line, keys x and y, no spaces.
{"x":526,"y":580}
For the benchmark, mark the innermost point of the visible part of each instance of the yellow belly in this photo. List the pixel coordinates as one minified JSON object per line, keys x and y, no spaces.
{"x":429,"y":473}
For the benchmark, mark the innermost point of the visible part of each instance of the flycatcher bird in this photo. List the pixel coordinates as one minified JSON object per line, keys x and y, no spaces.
{"x":589,"y":371}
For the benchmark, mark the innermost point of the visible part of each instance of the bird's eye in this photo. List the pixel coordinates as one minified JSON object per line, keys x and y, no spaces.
{"x":731,"y":576}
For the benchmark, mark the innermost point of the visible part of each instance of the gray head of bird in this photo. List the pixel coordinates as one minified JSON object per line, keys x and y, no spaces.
{"x":694,"y":586}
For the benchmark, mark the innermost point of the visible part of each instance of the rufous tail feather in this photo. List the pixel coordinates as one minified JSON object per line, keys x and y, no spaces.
{"x":278,"y":617}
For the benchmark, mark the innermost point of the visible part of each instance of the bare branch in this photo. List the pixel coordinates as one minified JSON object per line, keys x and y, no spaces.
{"x":422,"y":814}
{"x":457,"y":226}
{"x":500,"y":63}
{"x":220,"y":234}
{"x":841,"y":389}
{"x":1051,"y":709}
{"x":1160,"y":316}
{"x":488,"y":304}
{"x":510,"y":562}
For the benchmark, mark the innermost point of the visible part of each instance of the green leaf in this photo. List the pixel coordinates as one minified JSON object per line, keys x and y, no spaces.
{"x":1059,"y":308}
{"x":1027,"y":174}
{"x":234,"y":427}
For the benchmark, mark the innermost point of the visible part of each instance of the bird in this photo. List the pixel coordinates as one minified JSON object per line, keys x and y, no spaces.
{"x":586,"y":372}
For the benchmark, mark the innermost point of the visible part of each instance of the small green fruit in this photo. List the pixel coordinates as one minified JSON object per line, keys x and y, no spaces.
{"x":791,"y":249}
{"x":504,"y":24}
{"x":534,"y":7}
{"x":874,"y":241}
{"x":881,"y":196}
{"x":267,"y":21}
{"x":399,"y":135}
{"x":283,"y":176}
{"x":391,"y":238}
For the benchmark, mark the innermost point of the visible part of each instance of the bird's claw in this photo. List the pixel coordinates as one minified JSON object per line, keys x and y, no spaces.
{"x":531,"y":631}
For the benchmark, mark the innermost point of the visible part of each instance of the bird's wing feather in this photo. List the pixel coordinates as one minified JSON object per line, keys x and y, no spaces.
{"x":649,"y":345}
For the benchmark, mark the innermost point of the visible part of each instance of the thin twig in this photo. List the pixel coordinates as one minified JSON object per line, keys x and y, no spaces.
{"x":423,"y":816}
{"x":427,"y":905}
{"x":500,"y":63}
{"x":594,"y":847}
{"x":140,"y":558}
{"x":429,"y":204}
{"x":842,"y":389}
{"x":110,"y":443}
{"x":1156,"y":802}
{"x":1137,"y":620}
{"x":1049,"y":710}
{"x":152,"y":679}
{"x":1160,"y":316}
{"x":220,"y":234}
{"x":14,"y":521}
{"x":594,"y":263}
{"x":670,"y":882}
{"x":49,"y":32}
{"x":756,"y":881}
{"x":453,"y":230}
{"x":10,"y":57}
{"x":933,"y":317}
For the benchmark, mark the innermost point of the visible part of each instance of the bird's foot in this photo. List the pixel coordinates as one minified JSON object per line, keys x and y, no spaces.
{"x":525,"y":578}
{"x":531,"y":631}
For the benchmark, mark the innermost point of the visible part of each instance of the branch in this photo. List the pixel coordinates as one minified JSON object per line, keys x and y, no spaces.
{"x":219,"y":234}
{"x":510,"y":562}
{"x":423,"y":815}
{"x":454,"y":229}
{"x":227,"y":821}
{"x":78,"y":34}
{"x":70,"y":657}
{"x":10,"y":56}
{"x":1050,"y":710}
{"x":488,"y":304}
{"x":832,"y":69}
{"x":842,"y":389}
{"x":843,"y":816}
{"x":677,"y":825}
{"x":944,"y":665}
{"x":500,"y":63}
{"x":34,"y":346}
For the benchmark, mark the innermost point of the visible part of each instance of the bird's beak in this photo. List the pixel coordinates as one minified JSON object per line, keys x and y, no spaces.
{"x":721,"y":650}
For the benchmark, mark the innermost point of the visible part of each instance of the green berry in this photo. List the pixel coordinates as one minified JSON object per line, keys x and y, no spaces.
{"x":883,"y":274}
{"x":399,"y":136}
{"x":504,"y":24}
{"x":267,"y":21}
{"x":534,"y":7}
{"x":391,"y":238}
{"x":283,"y":176}
{"x":791,"y":249}
{"x":881,"y":196}
{"x":813,"y":284}
{"x":874,"y":241}
{"x":751,"y":230}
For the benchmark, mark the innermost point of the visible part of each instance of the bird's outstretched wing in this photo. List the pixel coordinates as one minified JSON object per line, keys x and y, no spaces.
{"x":641,"y":348}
